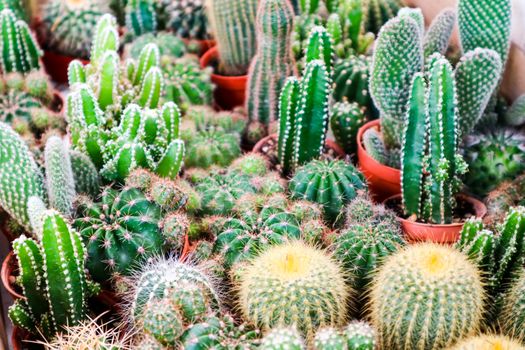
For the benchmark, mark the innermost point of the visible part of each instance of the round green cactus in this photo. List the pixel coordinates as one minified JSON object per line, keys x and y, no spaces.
{"x":359,"y":336}
{"x":167,"y":194}
{"x":163,"y":321}
{"x":345,"y":121}
{"x":293,"y":284}
{"x":426,"y":282}
{"x":329,"y":339}
{"x":513,"y":314}
{"x":120,"y":230}
{"x":169,"y":46}
{"x":487,"y":342}
{"x":219,"y":192}
{"x":191,"y":300}
{"x":494,"y":156}
{"x":252,"y":232}
{"x":252,"y":164}
{"x":283,"y":339}
{"x":335,"y":183}
{"x":213,"y":147}
{"x":175,"y":227}
{"x":187,"y":18}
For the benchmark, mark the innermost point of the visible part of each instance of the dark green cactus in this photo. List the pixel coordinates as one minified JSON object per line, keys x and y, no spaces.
{"x":272,"y":62}
{"x":513,"y":313}
{"x":345,"y":121}
{"x":187,"y":18}
{"x":212,"y":147}
{"x":121,"y":230}
{"x":52,"y":279}
{"x":141,"y":16}
{"x":335,"y":183}
{"x":87,"y":179}
{"x":378,"y":12}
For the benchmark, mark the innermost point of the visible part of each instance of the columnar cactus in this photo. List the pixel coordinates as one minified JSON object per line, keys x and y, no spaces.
{"x":187,"y":19}
{"x":87,"y":179}
{"x":332,"y":184}
{"x":378,"y":12}
{"x":487,"y":342}
{"x":272,"y":62}
{"x":293,"y":285}
{"x":233,"y":26}
{"x":283,"y":338}
{"x":19,"y":49}
{"x":52,"y":279}
{"x":431,"y":123}
{"x":121,"y":230}
{"x":426,"y":282}
{"x":141,"y":17}
{"x":345,"y":121}
{"x":303,"y":113}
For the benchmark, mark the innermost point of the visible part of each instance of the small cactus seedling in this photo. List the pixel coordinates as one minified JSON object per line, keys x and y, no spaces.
{"x":283,"y":339}
{"x":426,"y":282}
{"x":293,"y":285}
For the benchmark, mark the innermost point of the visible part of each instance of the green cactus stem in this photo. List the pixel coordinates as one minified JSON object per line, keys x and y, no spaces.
{"x":345,"y":121}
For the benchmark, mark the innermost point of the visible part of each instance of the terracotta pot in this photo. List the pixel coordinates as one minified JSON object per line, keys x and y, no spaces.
{"x":383,"y":181}
{"x":4,"y":227}
{"x":56,"y":65}
{"x":22,"y":340}
{"x":8,"y":273}
{"x":448,"y":233}
{"x":229,"y":90}
{"x":204,"y":45}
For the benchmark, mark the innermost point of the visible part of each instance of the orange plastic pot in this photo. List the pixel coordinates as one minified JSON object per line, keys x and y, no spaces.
{"x":383,"y":181}
{"x":445,"y":234}
{"x":56,"y":65}
{"x":229,"y":92}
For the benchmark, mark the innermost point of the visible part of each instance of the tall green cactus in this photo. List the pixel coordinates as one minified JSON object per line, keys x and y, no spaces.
{"x":272,"y":62}
{"x":303,"y":116}
{"x":52,"y":278}
{"x":141,"y":17}
{"x":19,"y":51}
{"x":233,"y":25}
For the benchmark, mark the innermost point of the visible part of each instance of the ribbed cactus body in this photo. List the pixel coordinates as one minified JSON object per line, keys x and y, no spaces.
{"x":169,"y":46}
{"x":345,"y":121}
{"x":187,"y":18}
{"x":272,"y":63}
{"x":17,"y":107}
{"x":378,"y":12}
{"x":213,"y":147}
{"x":163,"y":321}
{"x":360,"y":336}
{"x":426,"y":297}
{"x":141,"y":17}
{"x":293,"y":285}
{"x":121,"y":230}
{"x":283,"y":338}
{"x":20,"y":176}
{"x":52,"y":278}
{"x":19,"y":50}
{"x":331,"y":184}
{"x":488,"y":342}
{"x":375,"y":146}
{"x":329,"y":339}
{"x":515,"y":116}
{"x":87,"y":179}
{"x":233,"y":26}
{"x":513,"y":312}
{"x":19,"y":8}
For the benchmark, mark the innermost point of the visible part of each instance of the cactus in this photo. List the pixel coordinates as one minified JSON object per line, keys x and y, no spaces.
{"x":378,"y":12}
{"x":359,"y":336}
{"x":200,"y":118}
{"x":308,"y":6}
{"x":293,"y":285}
{"x":69,"y":27}
{"x":505,"y":196}
{"x":175,"y":227}
{"x":233,"y":27}
{"x":19,"y":8}
{"x":362,"y":248}
{"x":166,"y":194}
{"x":213,"y":147}
{"x":272,"y":62}
{"x":141,"y":17}
{"x":188,"y":19}
{"x":336,"y":183}
{"x":345,"y":121}
{"x":426,"y":282}
{"x":362,"y":210}
{"x":163,"y":321}
{"x":319,"y":47}
{"x":252,"y":164}
{"x":87,"y":180}
{"x":375,"y":146}
{"x":513,"y":311}
{"x":431,"y":120}
{"x":52,"y":300}
{"x":303,"y":25}
{"x":282,"y":339}
{"x":515,"y":116}
{"x":19,"y":49}
{"x":20,"y":176}
{"x":438,"y":35}
{"x":303,"y":111}
{"x":246,"y":236}
{"x":493,"y":155}
{"x":219,"y":192}
{"x":219,"y":332}
{"x":169,"y":46}
{"x":487,"y":342}
{"x":121,"y":230}
{"x":329,"y":339}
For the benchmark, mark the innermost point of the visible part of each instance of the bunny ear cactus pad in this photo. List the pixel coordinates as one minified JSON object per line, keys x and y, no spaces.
{"x":332,"y":184}
{"x":426,"y":296}
{"x":121,"y":230}
{"x":20,"y":176}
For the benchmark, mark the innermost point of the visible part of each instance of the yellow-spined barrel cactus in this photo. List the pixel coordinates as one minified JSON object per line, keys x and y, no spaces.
{"x":426,"y":297}
{"x":488,"y":342}
{"x":294,"y":285}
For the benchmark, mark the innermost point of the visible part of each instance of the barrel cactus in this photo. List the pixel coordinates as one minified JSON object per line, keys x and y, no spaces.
{"x":281,"y":339}
{"x":336,"y":182}
{"x":427,"y":282}
{"x":120,"y":230}
{"x":212,"y":147}
{"x":359,"y":336}
{"x":345,"y":121}
{"x":187,"y":18}
{"x":488,"y":342}
{"x":163,"y":321}
{"x":293,"y":285}
{"x":329,"y":338}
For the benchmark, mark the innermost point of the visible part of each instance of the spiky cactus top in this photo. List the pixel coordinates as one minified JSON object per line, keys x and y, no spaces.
{"x":19,"y":51}
{"x":426,"y":297}
{"x":293,"y":285}
{"x":52,"y":278}
{"x":488,"y":342}
{"x":233,"y":26}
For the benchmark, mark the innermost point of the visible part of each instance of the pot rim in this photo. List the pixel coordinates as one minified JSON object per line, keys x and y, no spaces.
{"x":362,"y":151}
{"x":7,"y":272}
{"x":213,"y":53}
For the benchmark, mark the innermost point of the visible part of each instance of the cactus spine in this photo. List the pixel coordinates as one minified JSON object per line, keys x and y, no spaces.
{"x":141,"y":17}
{"x":345,"y":121}
{"x":488,"y":342}
{"x":233,"y":24}
{"x":513,"y":312}
{"x":272,"y":62}
{"x":19,"y":49}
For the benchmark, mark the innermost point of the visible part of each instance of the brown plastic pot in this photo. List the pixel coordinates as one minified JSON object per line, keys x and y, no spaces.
{"x":383,"y":181}
{"x":230,"y":91}
{"x":56,"y":65}
{"x":447,"y":233}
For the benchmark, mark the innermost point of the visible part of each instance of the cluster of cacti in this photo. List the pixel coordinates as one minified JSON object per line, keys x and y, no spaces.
{"x":272,"y":63}
{"x":233,"y":25}
{"x":70,"y":25}
{"x":202,"y":118}
{"x":19,"y":50}
{"x":426,"y":297}
{"x":332,"y":184}
{"x":187,"y":18}
{"x":378,"y":12}
{"x":212,"y":147}
{"x":52,"y":278}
